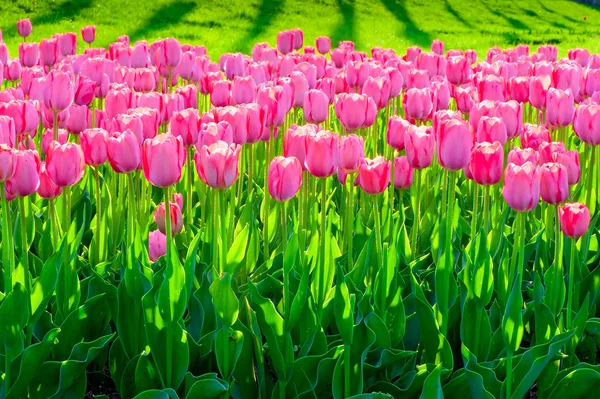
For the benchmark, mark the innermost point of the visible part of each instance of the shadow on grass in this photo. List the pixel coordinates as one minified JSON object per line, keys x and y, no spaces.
{"x":513,"y":22}
{"x":411,"y":30}
{"x":165,"y":16}
{"x":555,"y":13}
{"x":345,"y":29}
{"x":66,"y":10}
{"x":452,"y":11}
{"x":265,"y":14}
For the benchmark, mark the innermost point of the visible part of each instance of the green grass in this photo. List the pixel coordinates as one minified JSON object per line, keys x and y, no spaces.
{"x":226,"y":26}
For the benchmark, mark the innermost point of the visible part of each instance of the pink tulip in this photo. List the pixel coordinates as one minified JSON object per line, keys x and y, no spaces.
{"x":466,"y":98}
{"x":591,"y":83}
{"x":316,"y":106}
{"x":189,"y":94}
{"x":323,"y":44}
{"x":7,"y":131}
{"x":412,"y":53}
{"x":47,"y":188}
{"x":65,"y":163}
{"x":487,"y":161}
{"x":295,"y":143}
{"x":119,"y":101}
{"x":417,"y":79}
{"x":255,"y":123}
{"x":357,"y":73}
{"x":84,"y":91}
{"x":491,"y":129}
{"x":511,"y":113}
{"x":88,"y":34}
{"x":538,"y":89}
{"x":437,"y":46}
{"x":93,"y":145}
{"x":217,"y":164}
{"x":567,"y":76}
{"x":298,"y":38}
{"x":546,"y":151}
{"x":150,"y":119}
{"x":175,"y":214}
{"x":220,"y":95}
{"x":8,"y":162}
{"x":570,"y":160}
{"x":521,"y":186}
{"x":355,"y":110}
{"x":157,"y":245}
{"x":236,"y":117}
{"x":561,"y":107}
{"x":574,"y":219}
{"x":586,"y":123}
{"x":419,"y":143}
{"x":48,"y":51}
{"x":186,"y":125}
{"x":374,"y":175}
{"x":243,"y":90}
{"x":123,"y":150}
{"x":186,"y":66}
{"x":322,"y":153}
{"x":458,"y":70}
{"x":300,"y":86}
{"x":139,"y":57}
{"x":492,"y":88}
{"x":67,"y":43}
{"x":378,"y":89}
{"x":272,"y":99}
{"x":26,"y":177}
{"x":212,"y":132}
{"x":519,"y":88}
{"x":48,"y":138}
{"x":397,"y":128}
{"x":58,"y":91}
{"x":433,"y":63}
{"x":403,"y":173}
{"x":285,"y":41}
{"x":79,"y":119}
{"x":24,"y":27}
{"x":350,"y":152}
{"x":28,"y":54}
{"x":455,"y":143}
{"x":533,"y":135}
{"x":162,"y":160}
{"x":285,"y":178}
{"x":169,"y":53}
{"x":554,"y":183}
{"x":520,"y":156}
{"x":418,"y":103}
{"x":12,"y":70}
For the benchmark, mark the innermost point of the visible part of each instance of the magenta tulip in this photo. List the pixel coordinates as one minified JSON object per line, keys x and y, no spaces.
{"x":123,"y":150}
{"x":322,"y":153}
{"x":397,"y":127}
{"x":533,"y":135}
{"x":93,"y":145}
{"x":570,"y":160}
{"x":217,"y":164}
{"x":212,"y":132}
{"x":175,"y":214}
{"x":26,"y":178}
{"x":418,"y":103}
{"x":574,"y":219}
{"x":403,"y":173}
{"x":24,"y":27}
{"x":65,"y":163}
{"x":491,"y":129}
{"x":521,"y":186}
{"x":28,"y":54}
{"x":419,"y":143}
{"x":455,"y":143}
{"x":285,"y":178}
{"x":323,"y":44}
{"x":374,"y":175}
{"x":351,"y":151}
{"x":58,"y":91}
{"x":520,"y":156}
{"x":316,"y":106}
{"x":8,"y":162}
{"x":162,"y":159}
{"x":355,"y":111}
{"x":88,"y":34}
{"x":554,"y":183}
{"x":487,"y":161}
{"x":186,"y":124}
{"x":561,"y":107}
{"x":157,"y":245}
{"x":586,"y":123}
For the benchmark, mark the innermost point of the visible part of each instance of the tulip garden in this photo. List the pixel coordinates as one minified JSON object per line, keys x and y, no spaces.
{"x":305,"y":221}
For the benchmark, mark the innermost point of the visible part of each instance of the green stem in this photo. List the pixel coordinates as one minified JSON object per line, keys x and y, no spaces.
{"x":347,"y":371}
{"x":322,"y":237}
{"x":486,"y":212}
{"x":169,"y":347}
{"x":267,"y":197}
{"x":557,"y":253}
{"x":349,"y":219}
{"x":8,"y":257}
{"x":509,"y":359}
{"x":55,"y":125}
{"x":521,"y":219}
{"x":590,"y":178}
{"x":190,"y":183}
{"x":414,"y":231}
{"x":378,"y":243}
{"x":474,"y":215}
{"x":66,"y":209}
{"x":98,"y":199}
{"x":215,"y":217}
{"x":24,"y":243}
{"x":54,"y":233}
{"x":223,"y":229}
{"x":131,"y":212}
{"x":571,"y":283}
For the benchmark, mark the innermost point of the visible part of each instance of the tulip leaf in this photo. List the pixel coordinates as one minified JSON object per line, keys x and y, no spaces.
{"x":224,"y":300}
{"x":237,"y":252}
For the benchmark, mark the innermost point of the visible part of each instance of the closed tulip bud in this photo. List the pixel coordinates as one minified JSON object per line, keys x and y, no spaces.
{"x":520,"y":156}
{"x":574,"y":219}
{"x":455,"y":143}
{"x":561,"y":107}
{"x":272,"y":100}
{"x":519,"y":88}
{"x":397,"y":127}
{"x":538,"y":89}
{"x":437,"y":46}
{"x":285,"y":178}
{"x":58,"y":91}
{"x":396,"y":82}
{"x":487,"y":161}
{"x":186,"y":65}
{"x":169,"y":53}
{"x":546,"y":151}
{"x":511,"y":113}
{"x":8,"y":162}
{"x":355,"y":110}
{"x":350,"y":152}
{"x":67,"y":43}
{"x":491,"y":129}
{"x":65,"y":163}
{"x":440,"y":92}
{"x":417,"y":79}
{"x":295,"y":143}
{"x":419,"y":143}
{"x":26,"y":179}
{"x":323,"y":44}
{"x":88,"y":34}
{"x":212,"y":132}
{"x":162,"y":160}
{"x":150,"y":119}
{"x":298,"y":38}
{"x":243,"y":90}
{"x":93,"y":145}
{"x":378,"y":89}
{"x":48,"y":51}
{"x":433,"y":63}
{"x":412,"y":53}
{"x":567,"y":76}
{"x":119,"y":101}
{"x":492,"y":87}
{"x":47,"y":188}
{"x":322,"y":153}
{"x":521,"y":186}
{"x":24,"y":27}
{"x":554,"y":183}
{"x":220,"y":95}
{"x":84,"y":91}
{"x":374,"y":175}
{"x":255,"y":123}
{"x":144,"y":80}
{"x":300,"y":86}
{"x":175,"y":215}
{"x":591,"y":83}
{"x":139,"y":57}
{"x":534,"y":135}
{"x":418,"y":103}
{"x":123,"y":150}
{"x":157,"y":245}
{"x":236,"y":117}
{"x":586,"y":123}
{"x":48,"y":138}
{"x":79,"y":119}
{"x":458,"y":70}
{"x":28,"y":54}
{"x":7,"y":131}
{"x":217,"y":164}
{"x":570,"y":160}
{"x":285,"y":41}
{"x":466,"y":98}
{"x":316,"y":106}
{"x":186,"y":125}
{"x":403,"y":173}
{"x":357,"y":73}
{"x":12,"y":70}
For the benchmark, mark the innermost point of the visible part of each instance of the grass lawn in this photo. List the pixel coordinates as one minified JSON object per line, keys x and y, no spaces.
{"x":227,"y":26}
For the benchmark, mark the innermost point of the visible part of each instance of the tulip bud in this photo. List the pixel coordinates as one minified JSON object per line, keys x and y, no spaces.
{"x":47,"y":188}
{"x":374,"y":175}
{"x":418,"y":103}
{"x":586,"y":123}
{"x":217,"y":164}
{"x":554,"y":183}
{"x":561,"y":107}
{"x":24,"y":27}
{"x":162,"y":160}
{"x":175,"y":215}
{"x":521,"y":186}
{"x":26,"y":177}
{"x":322,"y":153}
{"x":520,"y":156}
{"x":350,"y":152}
{"x":419,"y":143}
{"x":186,"y":124}
{"x":316,"y":106}
{"x":455,"y":143}
{"x":538,"y":89}
{"x":58,"y":91}
{"x":403,"y":173}
{"x":570,"y":160}
{"x":396,"y":130}
{"x":157,"y":245}
{"x":533,"y":135}
{"x":487,"y":161}
{"x":323,"y":44}
{"x":93,"y":145}
{"x":574,"y":219}
{"x":355,"y":111}
{"x":65,"y":163}
{"x":295,"y":143}
{"x":491,"y":129}
{"x":123,"y":150}
{"x":8,"y":162}
{"x":285,"y":178}
{"x":88,"y":34}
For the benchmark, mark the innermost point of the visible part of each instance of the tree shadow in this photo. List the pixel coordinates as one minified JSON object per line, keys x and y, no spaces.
{"x":165,"y":16}
{"x":533,"y":14}
{"x":345,"y":29}
{"x":513,"y":22}
{"x":265,"y":14}
{"x":67,"y":10}
{"x":411,"y":30}
{"x":451,"y":10}
{"x":556,"y":13}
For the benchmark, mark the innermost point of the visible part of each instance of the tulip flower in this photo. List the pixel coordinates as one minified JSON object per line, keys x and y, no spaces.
{"x":351,"y":151}
{"x":561,"y":107}
{"x":357,"y":73}
{"x":285,"y":41}
{"x":220,"y":95}
{"x":574,"y":219}
{"x":374,"y":175}
{"x":300,"y":86}
{"x":493,"y":88}
{"x":243,"y":90}
{"x":458,"y":70}
{"x":24,"y":28}
{"x":123,"y":151}
{"x":88,"y":34}
{"x":58,"y":91}
{"x":212,"y":132}
{"x":570,"y":160}
{"x":93,"y":145}
{"x":163,"y":158}
{"x":28,"y":54}
{"x":7,"y":131}
{"x":157,"y":245}
{"x":26,"y":178}
{"x":554,"y":183}
{"x":418,"y":103}
{"x":491,"y":129}
{"x":271,"y":98}
{"x":397,"y":128}
{"x":295,"y":143}
{"x":417,"y":79}
{"x":322,"y":153}
{"x":65,"y":163}
{"x":455,"y":143}
{"x":217,"y":164}
{"x":186,"y":124}
{"x":586,"y":123}
{"x":487,"y":161}
{"x":323,"y":44}
{"x":355,"y":111}
{"x":538,"y":89}
{"x":7,"y":162}
{"x":403,"y":173}
{"x":519,"y":88}
{"x":419,"y":143}
{"x":49,"y":52}
{"x":316,"y":106}
{"x":378,"y":89}
{"x":79,"y":119}
{"x":285,"y":178}
{"x":175,"y":215}
{"x":520,"y":156}
{"x":521,"y":186}
{"x":47,"y":188}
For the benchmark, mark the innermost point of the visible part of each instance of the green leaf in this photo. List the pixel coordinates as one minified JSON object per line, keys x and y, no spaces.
{"x":14,"y":313}
{"x":172,"y":296}
{"x":475,"y":329}
{"x":344,"y":309}
{"x":224,"y":300}
{"x":171,"y":351}
{"x":236,"y":253}
{"x":208,"y":389}
{"x":512,"y":322}
{"x":228,"y":347}
{"x":167,"y":393}
{"x":432,"y":388}
{"x":482,"y":380}
{"x":577,"y":384}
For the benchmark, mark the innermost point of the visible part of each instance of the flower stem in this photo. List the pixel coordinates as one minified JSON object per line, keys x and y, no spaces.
{"x":414,"y":231}
{"x":8,"y":257}
{"x":349,"y":219}
{"x":24,"y":243}
{"x":571,"y":283}
{"x":190,"y":182}
{"x":323,"y":242}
